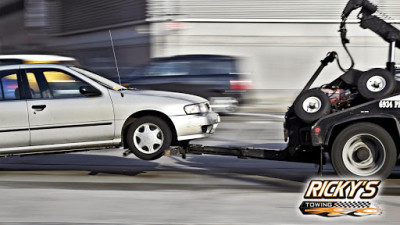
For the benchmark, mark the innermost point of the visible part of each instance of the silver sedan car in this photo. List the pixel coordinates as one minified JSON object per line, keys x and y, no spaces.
{"x":53,"y":108}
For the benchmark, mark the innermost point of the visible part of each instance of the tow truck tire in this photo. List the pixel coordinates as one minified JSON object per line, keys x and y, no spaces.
{"x":364,"y":150}
{"x":376,"y":83}
{"x":311,"y":105}
{"x":148,"y":137}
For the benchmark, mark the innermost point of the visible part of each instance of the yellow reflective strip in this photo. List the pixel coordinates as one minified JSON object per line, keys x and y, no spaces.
{"x":36,"y":62}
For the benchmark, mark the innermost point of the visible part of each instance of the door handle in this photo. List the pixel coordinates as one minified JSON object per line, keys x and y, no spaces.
{"x":38,"y":107}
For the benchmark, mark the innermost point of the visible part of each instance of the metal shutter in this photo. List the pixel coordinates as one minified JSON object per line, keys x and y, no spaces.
{"x":260,"y":9}
{"x":73,"y":15}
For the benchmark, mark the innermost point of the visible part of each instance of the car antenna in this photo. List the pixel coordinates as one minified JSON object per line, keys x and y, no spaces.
{"x":115,"y":57}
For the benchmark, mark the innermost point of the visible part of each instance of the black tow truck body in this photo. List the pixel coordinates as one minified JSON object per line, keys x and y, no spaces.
{"x":384,"y":112}
{"x":373,"y":112}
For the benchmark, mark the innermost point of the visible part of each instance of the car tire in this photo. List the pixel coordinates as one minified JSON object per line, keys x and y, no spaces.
{"x":148,"y":137}
{"x":311,"y":105}
{"x":376,"y":83}
{"x":364,"y":150}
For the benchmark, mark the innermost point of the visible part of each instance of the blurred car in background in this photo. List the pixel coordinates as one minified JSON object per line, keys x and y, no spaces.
{"x":35,"y":59}
{"x":214,"y":77}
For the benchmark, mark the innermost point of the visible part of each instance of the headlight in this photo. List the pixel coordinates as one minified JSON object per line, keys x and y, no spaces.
{"x":197,"y":108}
{"x":192,"y":109}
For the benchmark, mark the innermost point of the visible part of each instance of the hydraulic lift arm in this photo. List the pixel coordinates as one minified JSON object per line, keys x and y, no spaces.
{"x":372,"y":22}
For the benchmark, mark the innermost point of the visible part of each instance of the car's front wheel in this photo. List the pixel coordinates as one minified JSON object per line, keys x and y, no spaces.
{"x":148,"y":137}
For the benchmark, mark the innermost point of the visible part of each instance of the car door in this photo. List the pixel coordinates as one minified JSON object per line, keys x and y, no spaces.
{"x":60,"y":114}
{"x":14,"y":125}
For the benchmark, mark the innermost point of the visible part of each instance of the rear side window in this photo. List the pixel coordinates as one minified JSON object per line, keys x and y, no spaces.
{"x":9,"y":85}
{"x":49,"y":83}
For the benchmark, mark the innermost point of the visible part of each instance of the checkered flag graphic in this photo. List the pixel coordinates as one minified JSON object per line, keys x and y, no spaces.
{"x":356,"y":204}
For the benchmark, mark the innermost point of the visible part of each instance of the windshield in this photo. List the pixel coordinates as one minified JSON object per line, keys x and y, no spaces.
{"x":99,"y":79}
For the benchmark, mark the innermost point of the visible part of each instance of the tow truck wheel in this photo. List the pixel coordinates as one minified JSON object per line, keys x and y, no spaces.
{"x":376,"y":83}
{"x":312,"y":105}
{"x":365,"y":150}
{"x":148,"y":137}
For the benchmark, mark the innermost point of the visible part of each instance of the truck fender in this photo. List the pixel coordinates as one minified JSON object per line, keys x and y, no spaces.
{"x":373,"y":118}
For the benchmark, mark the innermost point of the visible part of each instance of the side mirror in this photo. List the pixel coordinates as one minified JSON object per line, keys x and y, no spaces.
{"x":89,"y":91}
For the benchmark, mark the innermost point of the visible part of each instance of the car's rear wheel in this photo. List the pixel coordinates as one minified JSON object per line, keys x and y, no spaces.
{"x":148,"y":137}
{"x":365,"y":150}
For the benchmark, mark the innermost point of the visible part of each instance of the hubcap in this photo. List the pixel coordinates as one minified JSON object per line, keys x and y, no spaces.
{"x":376,"y":83}
{"x":363,"y":154}
{"x":312,"y":104}
{"x":148,"y":138}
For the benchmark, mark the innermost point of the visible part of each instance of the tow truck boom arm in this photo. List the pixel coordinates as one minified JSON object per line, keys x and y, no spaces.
{"x":369,"y":21}
{"x":355,"y":4}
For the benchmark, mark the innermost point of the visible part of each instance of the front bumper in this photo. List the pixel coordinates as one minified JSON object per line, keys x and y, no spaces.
{"x":195,"y":126}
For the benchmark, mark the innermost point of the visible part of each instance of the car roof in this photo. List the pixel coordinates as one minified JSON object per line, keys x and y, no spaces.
{"x":28,"y":66}
{"x":37,"y":57}
{"x":191,"y":57}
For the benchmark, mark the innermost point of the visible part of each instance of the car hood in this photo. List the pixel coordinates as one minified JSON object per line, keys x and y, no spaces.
{"x":171,"y":95}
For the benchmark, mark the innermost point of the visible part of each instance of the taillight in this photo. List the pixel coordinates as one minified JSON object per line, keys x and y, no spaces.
{"x":240,"y":84}
{"x":317,"y":130}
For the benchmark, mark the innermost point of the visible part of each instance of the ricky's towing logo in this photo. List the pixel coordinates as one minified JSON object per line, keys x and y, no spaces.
{"x":341,"y":197}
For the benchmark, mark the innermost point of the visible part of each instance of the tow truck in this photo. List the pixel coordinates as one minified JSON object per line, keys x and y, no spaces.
{"x":355,"y":118}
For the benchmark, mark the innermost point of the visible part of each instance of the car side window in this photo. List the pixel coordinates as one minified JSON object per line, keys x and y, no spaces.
{"x":53,"y":83}
{"x":9,"y":85}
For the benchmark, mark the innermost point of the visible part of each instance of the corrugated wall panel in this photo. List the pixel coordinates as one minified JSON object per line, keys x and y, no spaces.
{"x":74,"y":15}
{"x":260,"y":9}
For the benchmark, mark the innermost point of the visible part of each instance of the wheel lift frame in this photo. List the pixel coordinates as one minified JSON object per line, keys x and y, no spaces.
{"x":288,"y":154}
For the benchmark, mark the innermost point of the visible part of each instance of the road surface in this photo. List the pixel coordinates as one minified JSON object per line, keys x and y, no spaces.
{"x":101,"y":187}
